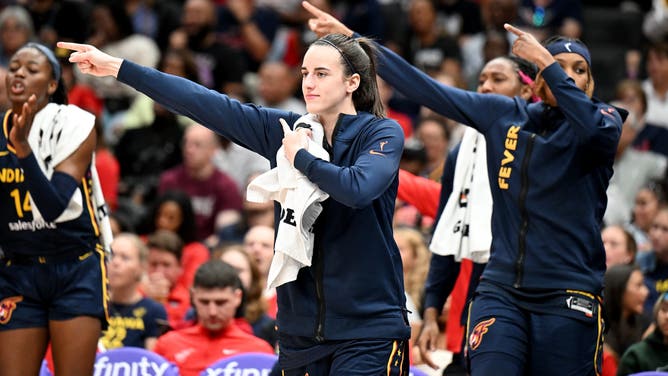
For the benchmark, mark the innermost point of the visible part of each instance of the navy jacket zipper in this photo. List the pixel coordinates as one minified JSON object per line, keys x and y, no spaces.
{"x":522,"y":241}
{"x":318,"y":255}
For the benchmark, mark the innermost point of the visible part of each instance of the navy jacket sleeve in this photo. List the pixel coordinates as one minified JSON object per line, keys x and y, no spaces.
{"x":253,"y":127}
{"x":597,"y":125}
{"x":479,"y":111}
{"x":443,"y":273}
{"x":368,"y":177}
{"x":443,"y":270}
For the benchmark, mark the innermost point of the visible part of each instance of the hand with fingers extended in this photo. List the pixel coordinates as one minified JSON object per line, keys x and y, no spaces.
{"x":293,"y":141}
{"x":527,"y":47}
{"x":92,"y":61}
{"x":324,"y":23}
{"x":21,"y":124}
{"x":428,"y":337}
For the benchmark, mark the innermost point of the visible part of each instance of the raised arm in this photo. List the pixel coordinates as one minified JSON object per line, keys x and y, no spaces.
{"x":465,"y":107}
{"x":596,"y":124}
{"x":253,"y":127}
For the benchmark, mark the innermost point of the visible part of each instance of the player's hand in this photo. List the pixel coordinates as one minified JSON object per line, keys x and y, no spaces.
{"x":428,"y":339}
{"x":324,"y":23}
{"x":92,"y":61}
{"x":21,"y":125}
{"x":528,"y":48}
{"x":293,"y":141}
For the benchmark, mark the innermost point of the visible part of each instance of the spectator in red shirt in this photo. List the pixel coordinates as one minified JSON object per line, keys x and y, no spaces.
{"x":164,"y":276}
{"x":216,"y":294}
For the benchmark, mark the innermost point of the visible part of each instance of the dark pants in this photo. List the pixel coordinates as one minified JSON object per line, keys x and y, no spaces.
{"x":557,"y":333}
{"x":36,"y":290}
{"x":356,"y":358}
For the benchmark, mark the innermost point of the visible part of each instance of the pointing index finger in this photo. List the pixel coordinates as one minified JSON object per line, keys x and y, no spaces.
{"x":72,"y":46}
{"x":313,"y":9}
{"x":513,"y":29}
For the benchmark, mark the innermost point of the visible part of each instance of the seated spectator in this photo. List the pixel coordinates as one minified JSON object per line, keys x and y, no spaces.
{"x":426,"y":45}
{"x":216,"y":295}
{"x":620,"y":247}
{"x":625,"y":295}
{"x":434,"y":134}
{"x":655,"y":263}
{"x":650,"y":354}
{"x":654,"y":136}
{"x":248,"y":28}
{"x":220,"y":65}
{"x":163,"y":275}
{"x":656,"y":85}
{"x":213,"y":194}
{"x":253,"y":310}
{"x":650,"y":198}
{"x":633,"y":168}
{"x":173,"y":211}
{"x":113,"y":33}
{"x":134,"y":320}
{"x":259,"y":244}
{"x":142,"y":111}
{"x":16,"y":29}
{"x":276,"y":87}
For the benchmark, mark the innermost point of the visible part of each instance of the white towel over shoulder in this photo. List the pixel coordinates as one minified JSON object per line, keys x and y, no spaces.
{"x":464,"y":228}
{"x":300,"y":206}
{"x":57,"y":131}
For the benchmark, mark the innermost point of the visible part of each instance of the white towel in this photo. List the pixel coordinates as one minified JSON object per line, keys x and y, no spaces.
{"x":464,"y":228}
{"x":57,"y":131}
{"x":300,"y":206}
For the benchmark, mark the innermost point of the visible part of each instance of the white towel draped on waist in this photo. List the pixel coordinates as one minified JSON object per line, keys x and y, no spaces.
{"x":300,"y":206}
{"x":464,"y":228}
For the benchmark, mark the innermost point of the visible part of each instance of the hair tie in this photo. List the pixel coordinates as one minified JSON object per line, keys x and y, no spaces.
{"x":350,"y":65}
{"x":525,"y":79}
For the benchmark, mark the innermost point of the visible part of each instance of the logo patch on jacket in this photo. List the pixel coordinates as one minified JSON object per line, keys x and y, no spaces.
{"x":7,"y":307}
{"x":380,"y":152}
{"x":475,"y":339}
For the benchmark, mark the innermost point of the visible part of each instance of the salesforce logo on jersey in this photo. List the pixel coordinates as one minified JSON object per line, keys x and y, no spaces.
{"x":131,"y":361}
